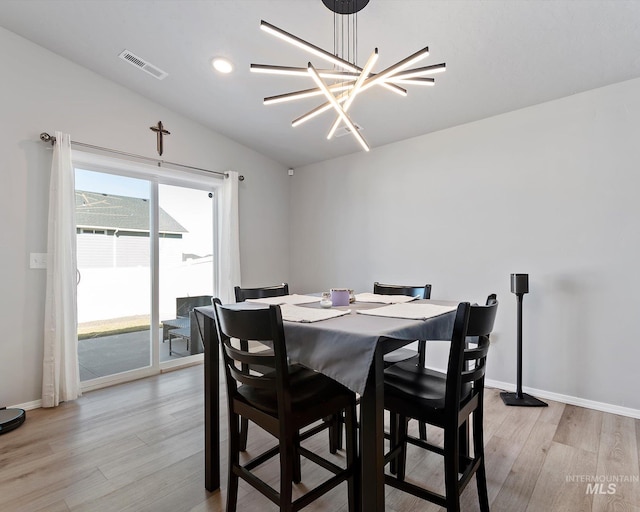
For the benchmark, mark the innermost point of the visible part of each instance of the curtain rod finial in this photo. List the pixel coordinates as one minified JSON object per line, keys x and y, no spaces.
{"x":45,"y":137}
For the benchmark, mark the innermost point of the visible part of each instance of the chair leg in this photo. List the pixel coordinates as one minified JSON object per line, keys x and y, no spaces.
{"x":423,"y":430}
{"x":244,"y":431}
{"x":234,"y":461}
{"x":335,"y":432}
{"x":393,"y":434}
{"x":463,"y":439}
{"x":353,"y":482}
{"x":242,"y":446}
{"x":451,"y":468}
{"x":296,"y":470}
{"x":478,"y":452}
{"x":422,"y":356}
{"x":288,"y":456}
{"x":481,"y":482}
{"x":401,"y":467}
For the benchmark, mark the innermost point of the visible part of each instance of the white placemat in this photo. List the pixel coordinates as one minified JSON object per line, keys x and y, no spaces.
{"x":287,"y":299}
{"x":293,"y":313}
{"x":411,"y":311}
{"x":384,"y":299}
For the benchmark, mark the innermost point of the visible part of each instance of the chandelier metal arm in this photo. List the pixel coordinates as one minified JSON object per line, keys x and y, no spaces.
{"x":317,"y":111}
{"x":311,"y":114}
{"x":406,"y":76}
{"x":325,"y":73}
{"x":295,"y":71}
{"x":343,"y":75}
{"x":356,"y":88}
{"x":303,"y":93}
{"x":393,"y":88}
{"x":415,"y":81}
{"x":390,"y":72}
{"x":378,"y":79}
{"x":319,"y":52}
{"x":337,"y":107}
{"x":301,"y":43}
{"x":421,"y":72}
{"x":387,"y":75}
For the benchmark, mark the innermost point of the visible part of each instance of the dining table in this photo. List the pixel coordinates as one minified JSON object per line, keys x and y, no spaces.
{"x":348,"y":348}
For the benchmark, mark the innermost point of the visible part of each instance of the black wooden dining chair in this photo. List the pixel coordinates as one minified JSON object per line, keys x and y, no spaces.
{"x":243,"y":294}
{"x":279,"y":290}
{"x":406,"y":354}
{"x":263,"y":292}
{"x":446,"y":401}
{"x":422,"y":292}
{"x":283,"y":402}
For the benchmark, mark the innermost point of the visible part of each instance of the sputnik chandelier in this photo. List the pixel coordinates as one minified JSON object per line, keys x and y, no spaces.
{"x":345,"y":80}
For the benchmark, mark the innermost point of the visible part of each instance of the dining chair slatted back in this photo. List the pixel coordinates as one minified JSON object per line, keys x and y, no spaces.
{"x":471,"y":360}
{"x":467,"y":365}
{"x":263,"y":292}
{"x":423,"y":292}
{"x":259,"y":324}
{"x":243,"y":294}
{"x":283,"y":402}
{"x":448,"y":401}
{"x":404,"y":353}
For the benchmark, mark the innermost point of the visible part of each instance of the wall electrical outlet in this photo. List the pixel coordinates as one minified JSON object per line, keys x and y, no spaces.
{"x":38,"y":260}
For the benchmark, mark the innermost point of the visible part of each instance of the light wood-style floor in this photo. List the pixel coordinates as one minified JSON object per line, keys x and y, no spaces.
{"x":139,"y":447}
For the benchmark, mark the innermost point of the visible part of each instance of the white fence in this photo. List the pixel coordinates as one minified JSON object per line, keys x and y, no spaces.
{"x":108,"y":293}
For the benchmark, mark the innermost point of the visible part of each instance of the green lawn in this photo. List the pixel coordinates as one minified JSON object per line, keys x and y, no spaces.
{"x":112,"y":326}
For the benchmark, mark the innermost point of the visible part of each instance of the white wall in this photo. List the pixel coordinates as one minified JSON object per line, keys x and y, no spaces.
{"x":550,"y":191}
{"x":40,"y":91}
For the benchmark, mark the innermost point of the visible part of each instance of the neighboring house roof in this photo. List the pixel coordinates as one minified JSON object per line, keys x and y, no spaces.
{"x":106,"y":211}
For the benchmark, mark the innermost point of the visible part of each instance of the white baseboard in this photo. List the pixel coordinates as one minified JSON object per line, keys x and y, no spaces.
{"x":506,"y":386}
{"x":27,"y":406}
{"x":567,"y":399}
{"x":557,"y":397}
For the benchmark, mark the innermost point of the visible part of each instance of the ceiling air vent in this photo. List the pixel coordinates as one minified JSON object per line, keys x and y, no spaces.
{"x":142,"y":64}
{"x":345,"y":130}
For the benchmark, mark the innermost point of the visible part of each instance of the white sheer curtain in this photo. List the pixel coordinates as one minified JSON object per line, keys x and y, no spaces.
{"x":229,"y":246}
{"x":60,"y":371}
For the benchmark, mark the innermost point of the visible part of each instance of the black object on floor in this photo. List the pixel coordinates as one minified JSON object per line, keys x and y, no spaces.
{"x":520,"y":286}
{"x":10,"y":419}
{"x":523,"y":400}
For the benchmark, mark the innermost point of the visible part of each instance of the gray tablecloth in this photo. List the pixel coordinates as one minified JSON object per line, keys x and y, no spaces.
{"x":343,"y":347}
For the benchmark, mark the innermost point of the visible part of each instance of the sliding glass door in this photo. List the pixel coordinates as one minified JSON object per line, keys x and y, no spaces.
{"x":186,"y":266}
{"x":145,"y":259}
{"x":113,"y":229}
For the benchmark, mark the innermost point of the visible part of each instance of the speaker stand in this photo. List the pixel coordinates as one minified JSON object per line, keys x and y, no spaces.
{"x":520,"y":398}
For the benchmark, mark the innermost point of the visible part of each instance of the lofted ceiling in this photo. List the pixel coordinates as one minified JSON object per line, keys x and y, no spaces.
{"x":501,"y":55}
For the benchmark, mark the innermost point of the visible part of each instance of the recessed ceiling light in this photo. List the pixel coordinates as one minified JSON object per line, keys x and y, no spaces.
{"x":222,"y":65}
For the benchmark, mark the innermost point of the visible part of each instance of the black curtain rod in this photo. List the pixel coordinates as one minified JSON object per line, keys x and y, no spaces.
{"x":45,"y":137}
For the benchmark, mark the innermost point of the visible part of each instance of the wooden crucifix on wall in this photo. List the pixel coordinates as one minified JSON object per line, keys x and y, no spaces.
{"x":160,"y":132}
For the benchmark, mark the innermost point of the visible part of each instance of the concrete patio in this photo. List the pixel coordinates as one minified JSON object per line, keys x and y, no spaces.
{"x":107,"y":355}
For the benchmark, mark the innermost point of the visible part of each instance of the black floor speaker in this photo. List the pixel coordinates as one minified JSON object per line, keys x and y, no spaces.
{"x":10,"y":419}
